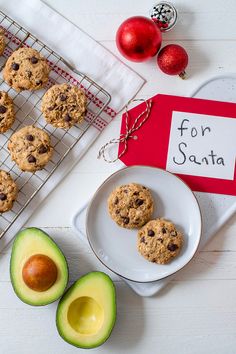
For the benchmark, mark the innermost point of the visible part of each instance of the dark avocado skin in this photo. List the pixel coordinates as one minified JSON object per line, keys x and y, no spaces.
{"x":18,"y":236}
{"x":67,"y":294}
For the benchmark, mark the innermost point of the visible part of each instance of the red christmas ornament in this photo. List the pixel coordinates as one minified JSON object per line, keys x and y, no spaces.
{"x":173,"y":60}
{"x":138,"y":38}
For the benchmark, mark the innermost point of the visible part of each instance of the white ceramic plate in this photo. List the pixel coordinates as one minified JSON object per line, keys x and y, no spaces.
{"x":116,"y":247}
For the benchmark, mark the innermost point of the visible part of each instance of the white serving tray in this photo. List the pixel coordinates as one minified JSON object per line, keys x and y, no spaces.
{"x":216,"y":209}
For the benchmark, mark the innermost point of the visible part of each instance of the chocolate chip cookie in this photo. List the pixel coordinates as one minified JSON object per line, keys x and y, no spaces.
{"x":159,"y":241}
{"x":130,"y":205}
{"x":7,"y":114}
{"x":8,"y":191}
{"x":30,"y":148}
{"x":64,"y":105}
{"x":2,"y":41}
{"x":26,"y":69}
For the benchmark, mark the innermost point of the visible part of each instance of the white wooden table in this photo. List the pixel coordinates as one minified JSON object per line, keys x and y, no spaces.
{"x":196,"y":313}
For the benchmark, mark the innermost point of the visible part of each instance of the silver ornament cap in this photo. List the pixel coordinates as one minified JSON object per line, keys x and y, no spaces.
{"x":164,"y":14}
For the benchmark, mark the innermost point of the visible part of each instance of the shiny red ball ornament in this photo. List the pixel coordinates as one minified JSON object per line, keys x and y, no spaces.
{"x":173,"y":60}
{"x":138,"y":38}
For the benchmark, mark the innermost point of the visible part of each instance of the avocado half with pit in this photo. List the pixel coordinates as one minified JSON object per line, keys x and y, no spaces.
{"x":86,"y":313}
{"x":38,"y":268}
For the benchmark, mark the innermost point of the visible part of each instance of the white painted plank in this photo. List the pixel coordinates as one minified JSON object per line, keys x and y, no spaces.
{"x":128,"y":7}
{"x":197,"y":19}
{"x":206,"y":59}
{"x":217,"y":261}
{"x":141,"y":325}
{"x":220,"y":344}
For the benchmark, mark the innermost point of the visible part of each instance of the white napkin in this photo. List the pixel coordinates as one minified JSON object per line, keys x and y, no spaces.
{"x":87,"y":56}
{"x":79,"y":49}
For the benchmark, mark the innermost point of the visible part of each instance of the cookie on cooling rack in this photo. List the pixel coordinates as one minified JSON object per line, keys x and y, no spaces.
{"x":64,"y":106}
{"x":8,"y":191}
{"x":7,"y":114}
{"x":2,"y":41}
{"x":30,"y":148}
{"x":159,"y":241}
{"x":26,"y":69}
{"x":130,"y":205}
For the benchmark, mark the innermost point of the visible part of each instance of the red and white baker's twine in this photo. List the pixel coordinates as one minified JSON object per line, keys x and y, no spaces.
{"x":129,"y":131}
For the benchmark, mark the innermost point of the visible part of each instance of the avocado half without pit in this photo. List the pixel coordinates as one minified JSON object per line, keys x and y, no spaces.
{"x":86,"y":313}
{"x":38,"y":268}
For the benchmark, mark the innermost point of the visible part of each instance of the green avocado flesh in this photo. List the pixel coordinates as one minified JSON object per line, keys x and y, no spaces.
{"x":86,"y":313}
{"x":30,"y":242}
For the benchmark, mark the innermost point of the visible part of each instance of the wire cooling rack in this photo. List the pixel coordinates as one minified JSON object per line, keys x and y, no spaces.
{"x":27,"y":108}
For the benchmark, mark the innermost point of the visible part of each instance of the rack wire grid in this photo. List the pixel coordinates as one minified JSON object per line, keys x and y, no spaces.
{"x":27,"y":109}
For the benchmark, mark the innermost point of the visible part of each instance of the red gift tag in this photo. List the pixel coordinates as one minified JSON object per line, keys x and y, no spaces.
{"x":193,"y":138}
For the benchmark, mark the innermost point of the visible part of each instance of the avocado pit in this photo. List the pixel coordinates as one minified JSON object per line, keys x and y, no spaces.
{"x":85,"y":315}
{"x":39,"y":272}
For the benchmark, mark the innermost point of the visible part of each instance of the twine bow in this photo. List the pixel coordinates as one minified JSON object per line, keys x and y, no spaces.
{"x":138,"y":122}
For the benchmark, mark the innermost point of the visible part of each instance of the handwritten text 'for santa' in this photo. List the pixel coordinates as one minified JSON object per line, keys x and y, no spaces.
{"x":202,"y":145}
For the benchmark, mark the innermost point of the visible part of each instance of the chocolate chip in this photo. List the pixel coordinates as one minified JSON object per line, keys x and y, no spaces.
{"x":67,"y":118}
{"x":160,"y":240}
{"x":139,"y":202}
{"x":63,"y":97}
{"x":154,"y":260}
{"x":142,"y":239}
{"x":136,"y":193}
{"x":126,"y":220}
{"x":22,"y":88}
{"x":3,"y":196}
{"x":34,"y":60}
{"x":51,"y":108}
{"x":173,"y":233}
{"x":39,"y":82}
{"x":15,"y":66}
{"x":30,"y":137}
{"x":117,"y":211}
{"x":29,"y":73}
{"x":31,"y":159}
{"x":144,"y":187}
{"x":125,"y":190}
{"x":0,"y":95}
{"x":42,"y":149}
{"x":151,"y":233}
{"x":3,"y":109}
{"x":116,"y":200}
{"x":172,"y":247}
{"x":163,"y":230}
